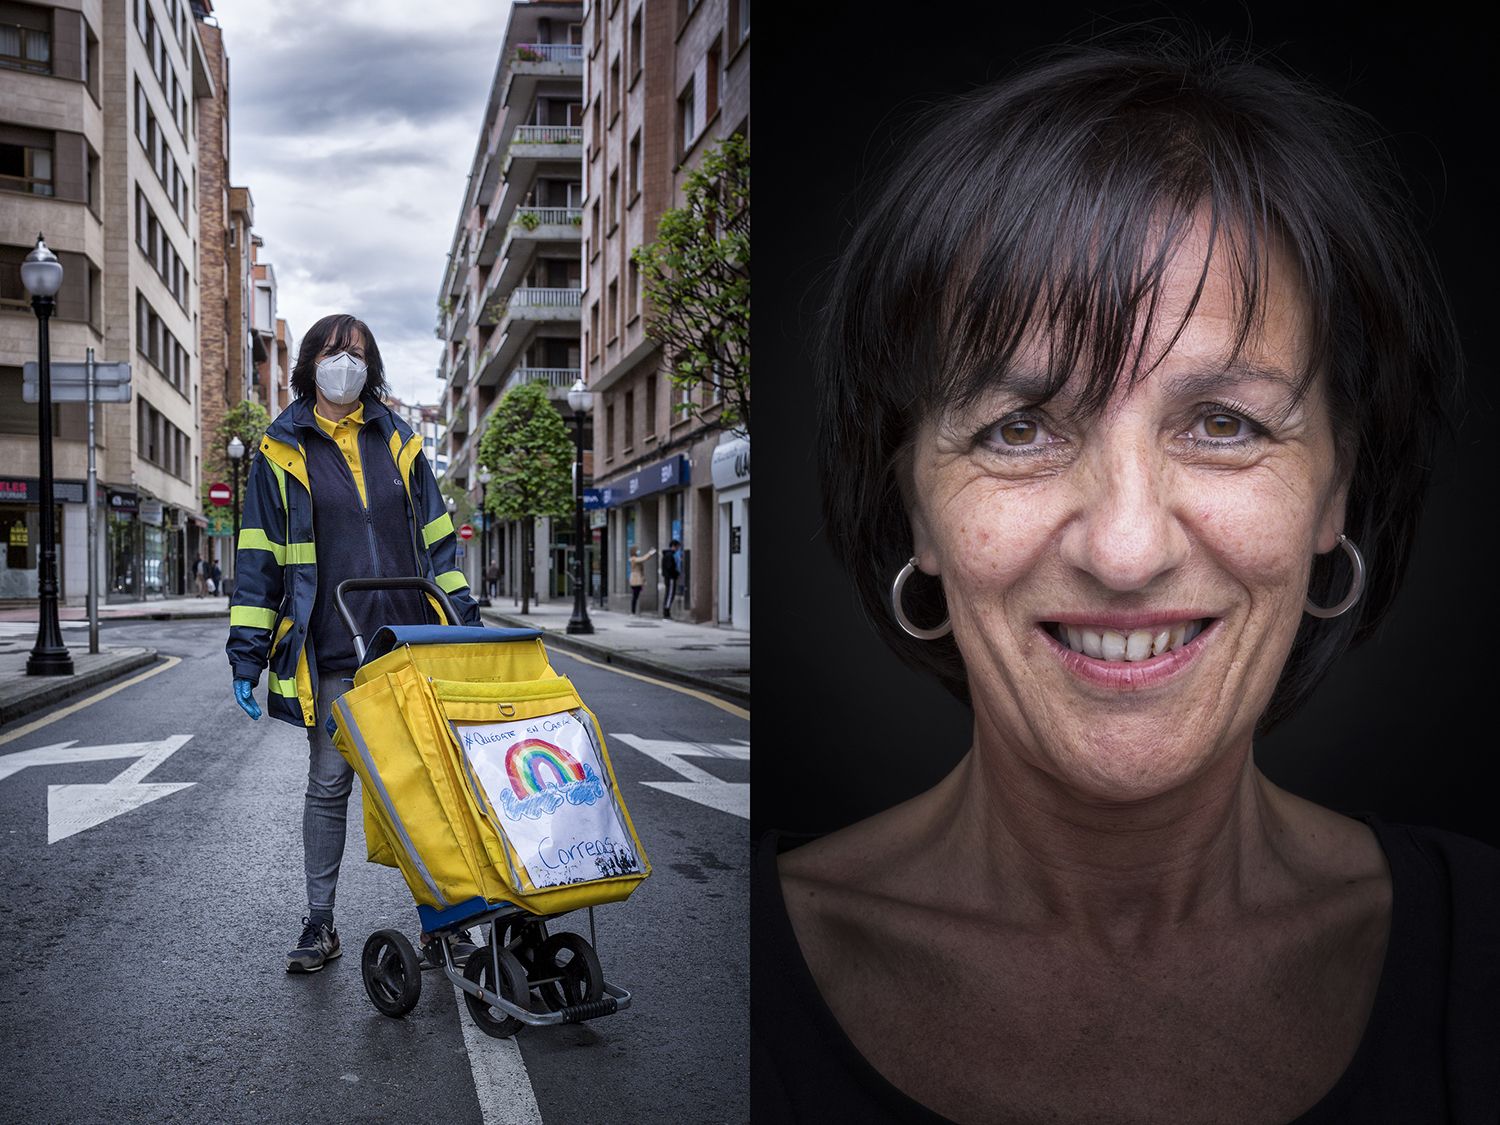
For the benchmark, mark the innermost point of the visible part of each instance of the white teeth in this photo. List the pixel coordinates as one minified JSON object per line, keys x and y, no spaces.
{"x":1140,"y":644}
{"x":1112,"y":645}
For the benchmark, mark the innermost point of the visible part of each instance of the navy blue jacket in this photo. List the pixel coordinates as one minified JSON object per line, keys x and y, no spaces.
{"x":276,"y":595}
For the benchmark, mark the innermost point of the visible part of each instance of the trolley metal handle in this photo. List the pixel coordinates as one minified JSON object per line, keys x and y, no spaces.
{"x":422,"y":584}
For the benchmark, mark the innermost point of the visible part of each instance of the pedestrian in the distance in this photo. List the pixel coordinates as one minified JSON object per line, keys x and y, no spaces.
{"x":198,"y":575}
{"x":491,"y":577}
{"x":670,"y":572}
{"x":638,"y":574}
{"x":339,"y":461}
{"x":216,"y":580}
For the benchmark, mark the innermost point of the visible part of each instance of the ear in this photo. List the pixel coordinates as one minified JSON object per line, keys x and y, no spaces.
{"x":1333,"y":517}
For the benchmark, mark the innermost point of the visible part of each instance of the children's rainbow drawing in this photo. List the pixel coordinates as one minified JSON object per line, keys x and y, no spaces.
{"x":532,"y":765}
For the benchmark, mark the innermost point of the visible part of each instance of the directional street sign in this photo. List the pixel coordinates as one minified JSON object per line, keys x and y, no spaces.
{"x":73,"y":808}
{"x":701,"y":786}
{"x":69,"y":382}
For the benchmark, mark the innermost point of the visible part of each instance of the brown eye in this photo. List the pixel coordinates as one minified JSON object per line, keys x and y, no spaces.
{"x":1021,"y":431}
{"x":1222,"y":426}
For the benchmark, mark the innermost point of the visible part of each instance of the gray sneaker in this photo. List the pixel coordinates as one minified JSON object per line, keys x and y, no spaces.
{"x":318,"y":945}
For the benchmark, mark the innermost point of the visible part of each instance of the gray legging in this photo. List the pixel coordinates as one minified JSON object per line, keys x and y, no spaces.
{"x":325,"y":812}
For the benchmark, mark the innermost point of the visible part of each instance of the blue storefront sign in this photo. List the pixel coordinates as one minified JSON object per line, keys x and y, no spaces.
{"x":593,"y":499}
{"x":671,"y":473}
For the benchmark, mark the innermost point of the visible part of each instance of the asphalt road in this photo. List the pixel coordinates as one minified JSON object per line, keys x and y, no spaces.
{"x":144,"y":976}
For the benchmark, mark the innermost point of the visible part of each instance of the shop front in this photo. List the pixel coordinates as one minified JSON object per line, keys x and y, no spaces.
{"x":645,"y":512}
{"x":731,"y":477}
{"x":21,"y":526}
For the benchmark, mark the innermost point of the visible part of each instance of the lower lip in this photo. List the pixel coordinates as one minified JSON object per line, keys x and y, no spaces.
{"x":1131,"y":675}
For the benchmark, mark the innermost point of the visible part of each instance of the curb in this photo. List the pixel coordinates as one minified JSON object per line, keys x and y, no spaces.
{"x":50,"y":690}
{"x":555,"y":638}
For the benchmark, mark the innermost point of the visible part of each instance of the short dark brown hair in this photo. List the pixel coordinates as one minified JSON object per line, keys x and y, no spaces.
{"x":1050,"y":202}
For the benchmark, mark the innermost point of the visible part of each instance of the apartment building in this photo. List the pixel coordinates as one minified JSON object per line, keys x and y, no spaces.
{"x":98,"y":151}
{"x":425,"y":420}
{"x":270,"y":372}
{"x":665,"y":80}
{"x":510,"y":301}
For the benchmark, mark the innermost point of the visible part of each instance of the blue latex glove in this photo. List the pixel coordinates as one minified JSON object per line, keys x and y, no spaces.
{"x":245,"y":697}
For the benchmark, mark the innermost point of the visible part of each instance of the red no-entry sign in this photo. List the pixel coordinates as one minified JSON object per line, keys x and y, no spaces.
{"x":466,"y":531}
{"x":219,"y":494}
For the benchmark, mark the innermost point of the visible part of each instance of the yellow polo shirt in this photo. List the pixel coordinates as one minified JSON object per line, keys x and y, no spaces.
{"x":345,"y":432}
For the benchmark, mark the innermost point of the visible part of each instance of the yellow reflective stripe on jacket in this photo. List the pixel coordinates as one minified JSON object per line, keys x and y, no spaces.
{"x":284,"y":687}
{"x":254,"y":539}
{"x":438,"y":528}
{"x":408,"y":458}
{"x":251,"y":616}
{"x":451,"y":580}
{"x":300,"y":553}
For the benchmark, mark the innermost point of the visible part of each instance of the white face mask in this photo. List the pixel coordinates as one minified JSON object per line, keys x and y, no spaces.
{"x":341,"y":377}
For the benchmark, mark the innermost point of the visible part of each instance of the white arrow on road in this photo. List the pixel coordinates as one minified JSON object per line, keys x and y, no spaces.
{"x":732,"y":797}
{"x":73,"y":808}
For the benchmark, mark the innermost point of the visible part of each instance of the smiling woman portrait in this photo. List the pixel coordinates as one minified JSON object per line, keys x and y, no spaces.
{"x":1131,"y":374}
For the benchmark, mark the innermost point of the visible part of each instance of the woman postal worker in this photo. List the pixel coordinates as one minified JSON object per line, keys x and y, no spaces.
{"x":1130,"y":377}
{"x":341,"y":489}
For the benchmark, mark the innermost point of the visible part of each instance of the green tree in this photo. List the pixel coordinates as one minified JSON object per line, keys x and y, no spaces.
{"x":529,"y":455}
{"x":245,"y":420}
{"x":463,"y":507}
{"x":697,"y":281}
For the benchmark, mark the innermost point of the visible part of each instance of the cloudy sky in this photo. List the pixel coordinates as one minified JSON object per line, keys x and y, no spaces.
{"x":353,"y":125}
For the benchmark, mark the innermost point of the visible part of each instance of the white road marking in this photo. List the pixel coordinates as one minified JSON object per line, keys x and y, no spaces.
{"x":71,"y":809}
{"x":500,"y":1078}
{"x":731,"y":797}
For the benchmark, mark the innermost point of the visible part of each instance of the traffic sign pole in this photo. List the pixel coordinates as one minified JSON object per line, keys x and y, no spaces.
{"x":93,"y":518}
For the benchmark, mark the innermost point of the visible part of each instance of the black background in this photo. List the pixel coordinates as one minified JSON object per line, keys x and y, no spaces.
{"x":842,"y":728}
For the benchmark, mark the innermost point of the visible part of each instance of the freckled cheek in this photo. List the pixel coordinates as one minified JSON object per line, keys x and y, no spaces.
{"x":993,"y":544}
{"x":1258,"y":534}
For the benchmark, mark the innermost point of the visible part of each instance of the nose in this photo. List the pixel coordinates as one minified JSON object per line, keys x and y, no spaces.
{"x":1126,"y":533}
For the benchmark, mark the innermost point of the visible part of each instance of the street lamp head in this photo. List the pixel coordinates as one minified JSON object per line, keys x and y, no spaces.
{"x":484,"y":474}
{"x":452,"y":505}
{"x":236,"y":449}
{"x":579,"y":397}
{"x":41,"y":272}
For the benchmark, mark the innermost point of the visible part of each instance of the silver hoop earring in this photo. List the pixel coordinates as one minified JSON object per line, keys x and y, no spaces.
{"x":940,"y":630}
{"x":1355,"y":589}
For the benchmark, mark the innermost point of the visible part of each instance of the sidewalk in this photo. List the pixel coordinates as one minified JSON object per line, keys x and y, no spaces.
{"x":707,"y":657}
{"x":157,"y":609}
{"x":21,"y":694}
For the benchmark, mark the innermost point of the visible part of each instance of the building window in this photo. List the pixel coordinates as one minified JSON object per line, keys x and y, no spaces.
{"x":637,"y":47}
{"x":614,"y":199}
{"x":711,"y":81}
{"x":650,"y":404}
{"x":594,"y":323}
{"x":632,"y":291}
{"x":635,"y":165}
{"x":612,"y":311}
{"x":629,"y":442}
{"x":26,"y":38}
{"x":740,"y":19}
{"x":609,"y":432}
{"x":594,"y":222}
{"x":26,"y":160}
{"x":616,"y":91}
{"x":687,"y":126}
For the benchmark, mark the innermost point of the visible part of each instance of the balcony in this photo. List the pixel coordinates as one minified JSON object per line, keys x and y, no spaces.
{"x":524,"y":314}
{"x":559,"y":380}
{"x":461,"y":365}
{"x":531,"y":63}
{"x":545,"y":304}
{"x":535,"y":145}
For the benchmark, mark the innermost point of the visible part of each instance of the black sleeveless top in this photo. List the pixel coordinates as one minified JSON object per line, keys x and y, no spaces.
{"x":1430,"y":1052}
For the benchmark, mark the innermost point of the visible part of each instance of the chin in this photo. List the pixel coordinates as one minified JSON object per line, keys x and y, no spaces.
{"x":1121,"y":768}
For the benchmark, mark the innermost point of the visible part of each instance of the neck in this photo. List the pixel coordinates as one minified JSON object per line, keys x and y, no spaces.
{"x":334,"y":411}
{"x":1123,"y":873}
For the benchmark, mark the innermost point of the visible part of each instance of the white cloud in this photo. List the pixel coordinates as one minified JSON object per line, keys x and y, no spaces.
{"x":353,"y":125}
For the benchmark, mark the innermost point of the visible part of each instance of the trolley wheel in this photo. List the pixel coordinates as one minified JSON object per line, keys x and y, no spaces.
{"x":392,"y":974}
{"x":571,"y":960}
{"x":512,"y":986}
{"x":523,"y":937}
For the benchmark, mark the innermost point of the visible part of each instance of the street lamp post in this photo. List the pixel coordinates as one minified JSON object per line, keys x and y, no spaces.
{"x":42,"y":274}
{"x":580,"y":400}
{"x":236,"y":453}
{"x":484,"y":531}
